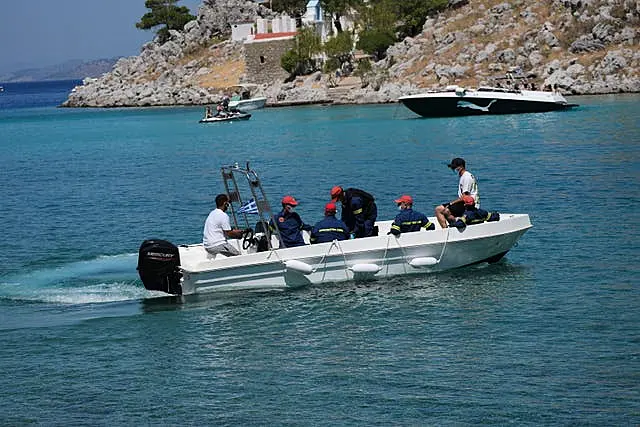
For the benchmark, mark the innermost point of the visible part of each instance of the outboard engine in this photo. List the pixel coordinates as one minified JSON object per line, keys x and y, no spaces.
{"x":158,"y":262}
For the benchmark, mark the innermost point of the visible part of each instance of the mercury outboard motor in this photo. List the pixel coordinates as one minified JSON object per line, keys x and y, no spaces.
{"x":158,"y":262}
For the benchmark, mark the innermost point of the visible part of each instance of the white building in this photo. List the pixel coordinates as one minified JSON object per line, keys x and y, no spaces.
{"x":316,"y":17}
{"x":241,"y":31}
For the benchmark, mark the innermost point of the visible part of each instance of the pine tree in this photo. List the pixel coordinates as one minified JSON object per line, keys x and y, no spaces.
{"x":167,"y":14}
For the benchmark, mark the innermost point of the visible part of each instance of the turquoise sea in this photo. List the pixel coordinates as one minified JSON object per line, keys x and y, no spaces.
{"x":548,"y":336}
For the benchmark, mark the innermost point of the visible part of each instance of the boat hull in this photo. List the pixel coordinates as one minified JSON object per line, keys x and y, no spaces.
{"x":231,"y":118}
{"x":248,"y":104}
{"x":360,"y":259}
{"x":450,"y":105}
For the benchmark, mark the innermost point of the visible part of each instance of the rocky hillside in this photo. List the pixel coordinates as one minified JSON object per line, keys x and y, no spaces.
{"x":578,"y":46}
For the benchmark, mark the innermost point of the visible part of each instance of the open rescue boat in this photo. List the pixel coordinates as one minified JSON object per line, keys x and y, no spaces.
{"x":188,"y":269}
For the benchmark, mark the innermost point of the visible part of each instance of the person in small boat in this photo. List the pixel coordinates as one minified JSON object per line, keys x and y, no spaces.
{"x":467,"y":185}
{"x":409,"y":220}
{"x":207,"y":113}
{"x":222,"y":109}
{"x":289,"y":223}
{"x":329,"y":228}
{"x":217,"y":229}
{"x":473,"y":215}
{"x":359,"y":210}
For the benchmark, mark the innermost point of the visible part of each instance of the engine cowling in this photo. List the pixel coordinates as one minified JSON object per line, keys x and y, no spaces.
{"x":158,"y":266}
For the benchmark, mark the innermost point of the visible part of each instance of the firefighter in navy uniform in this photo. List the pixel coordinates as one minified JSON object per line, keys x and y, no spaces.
{"x":290,"y":224}
{"x":409,"y":220}
{"x":473,"y":215}
{"x":359,"y":210}
{"x":330,"y":228}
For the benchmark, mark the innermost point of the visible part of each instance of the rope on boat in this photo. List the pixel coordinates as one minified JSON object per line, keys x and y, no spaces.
{"x":324,"y":257}
{"x":344,"y":258}
{"x":384,"y":256}
{"x":404,"y":253}
{"x":274,"y":251}
{"x":445,"y":244}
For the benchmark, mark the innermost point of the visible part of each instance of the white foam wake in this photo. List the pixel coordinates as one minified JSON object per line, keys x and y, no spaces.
{"x":102,"y":279}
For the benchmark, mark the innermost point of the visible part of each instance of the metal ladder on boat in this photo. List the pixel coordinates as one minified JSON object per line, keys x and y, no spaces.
{"x":230,"y":176}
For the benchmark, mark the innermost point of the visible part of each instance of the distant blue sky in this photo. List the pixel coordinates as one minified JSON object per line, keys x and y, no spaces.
{"x":37,"y":33}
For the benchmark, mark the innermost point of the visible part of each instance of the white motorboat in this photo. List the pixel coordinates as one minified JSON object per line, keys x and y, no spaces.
{"x":187,"y":269}
{"x":243,"y":100}
{"x":226,"y":117}
{"x":510,"y":97}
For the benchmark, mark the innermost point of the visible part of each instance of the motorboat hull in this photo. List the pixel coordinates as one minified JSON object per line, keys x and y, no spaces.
{"x":248,"y":104}
{"x":359,"y":259}
{"x":228,"y":118}
{"x":472,"y":103}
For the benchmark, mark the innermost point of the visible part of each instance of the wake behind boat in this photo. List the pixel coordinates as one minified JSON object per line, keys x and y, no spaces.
{"x":187,"y":269}
{"x":459,"y":101}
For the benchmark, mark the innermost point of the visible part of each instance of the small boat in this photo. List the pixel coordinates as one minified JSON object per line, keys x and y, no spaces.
{"x":263,"y":264}
{"x":512,"y":99}
{"x":226,"y":117}
{"x":243,"y":100}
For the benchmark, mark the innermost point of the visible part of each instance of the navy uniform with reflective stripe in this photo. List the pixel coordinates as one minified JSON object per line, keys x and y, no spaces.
{"x":328,"y":230}
{"x":409,"y":220}
{"x":290,"y":226}
{"x":359,"y":212}
{"x":473,"y":215}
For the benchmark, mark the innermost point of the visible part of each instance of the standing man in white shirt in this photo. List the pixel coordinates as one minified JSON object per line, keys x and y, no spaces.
{"x":467,"y":186}
{"x":217,"y":230}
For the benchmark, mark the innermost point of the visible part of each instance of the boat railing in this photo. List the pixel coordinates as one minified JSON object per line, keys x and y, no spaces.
{"x":258,"y":204}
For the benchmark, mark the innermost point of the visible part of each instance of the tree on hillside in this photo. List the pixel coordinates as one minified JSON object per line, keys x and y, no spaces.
{"x":295,"y":8}
{"x":299,"y":60}
{"x":338,"y":9}
{"x":339,"y":50}
{"x":412,"y":15}
{"x":378,"y":21}
{"x":167,"y":14}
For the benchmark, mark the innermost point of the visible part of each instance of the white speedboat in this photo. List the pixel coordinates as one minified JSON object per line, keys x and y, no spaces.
{"x":510,"y":97}
{"x":187,"y":269}
{"x":243,"y":100}
{"x":226,"y":117}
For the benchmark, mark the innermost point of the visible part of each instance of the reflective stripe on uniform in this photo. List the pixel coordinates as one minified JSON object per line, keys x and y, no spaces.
{"x":324,"y":230}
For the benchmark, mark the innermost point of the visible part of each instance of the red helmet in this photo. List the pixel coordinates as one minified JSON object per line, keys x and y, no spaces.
{"x":289,"y":200}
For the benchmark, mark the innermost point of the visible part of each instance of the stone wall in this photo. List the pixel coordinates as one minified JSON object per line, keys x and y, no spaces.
{"x":262,"y":59}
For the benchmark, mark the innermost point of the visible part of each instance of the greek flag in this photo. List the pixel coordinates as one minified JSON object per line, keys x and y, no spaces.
{"x":250,"y":208}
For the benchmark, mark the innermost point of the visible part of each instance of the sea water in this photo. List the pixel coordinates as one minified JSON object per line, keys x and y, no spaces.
{"x":548,"y":336}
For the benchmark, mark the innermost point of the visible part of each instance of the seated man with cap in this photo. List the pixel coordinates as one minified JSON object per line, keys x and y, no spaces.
{"x":330,"y":228}
{"x":290,"y":224}
{"x":409,"y":220}
{"x":359,"y":210}
{"x":467,"y":185}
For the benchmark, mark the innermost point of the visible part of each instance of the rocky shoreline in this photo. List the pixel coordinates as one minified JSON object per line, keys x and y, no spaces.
{"x":578,"y":46}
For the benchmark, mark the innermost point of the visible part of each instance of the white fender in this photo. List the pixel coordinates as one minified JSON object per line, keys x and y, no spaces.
{"x":423,"y":262}
{"x":298,"y":266}
{"x":365,"y":268}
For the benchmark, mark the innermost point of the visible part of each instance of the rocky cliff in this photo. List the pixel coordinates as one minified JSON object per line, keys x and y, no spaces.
{"x":578,"y":46}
